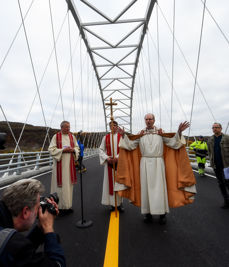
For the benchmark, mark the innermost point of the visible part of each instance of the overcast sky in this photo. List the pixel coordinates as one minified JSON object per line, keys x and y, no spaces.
{"x":18,"y":82}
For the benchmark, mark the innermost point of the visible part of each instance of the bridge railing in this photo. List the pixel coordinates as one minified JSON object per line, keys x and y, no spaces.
{"x":15,"y":166}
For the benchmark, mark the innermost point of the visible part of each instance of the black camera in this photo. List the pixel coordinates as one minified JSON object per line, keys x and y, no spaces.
{"x":2,"y":140}
{"x":49,"y":206}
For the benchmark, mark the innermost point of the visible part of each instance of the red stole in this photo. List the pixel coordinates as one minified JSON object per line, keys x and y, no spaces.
{"x":59,"y":163}
{"x":108,"y":147}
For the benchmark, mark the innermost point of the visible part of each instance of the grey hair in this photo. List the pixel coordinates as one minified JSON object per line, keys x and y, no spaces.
{"x":21,"y":194}
{"x":150,"y":114}
{"x":64,"y":122}
{"x":218,"y":124}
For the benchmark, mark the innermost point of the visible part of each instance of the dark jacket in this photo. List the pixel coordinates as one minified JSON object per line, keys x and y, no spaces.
{"x":20,"y":250}
{"x":224,"y":145}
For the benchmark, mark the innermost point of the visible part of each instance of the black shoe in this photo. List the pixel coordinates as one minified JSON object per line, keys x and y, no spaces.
{"x":70,"y":211}
{"x":225,"y":206}
{"x":62,"y":213}
{"x":112,"y":208}
{"x":162,"y":219}
{"x":147,"y":218}
{"x":121,"y":208}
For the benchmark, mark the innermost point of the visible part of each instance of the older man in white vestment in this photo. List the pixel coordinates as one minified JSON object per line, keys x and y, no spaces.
{"x":154,"y":198}
{"x":106,"y":159}
{"x":64,"y":150}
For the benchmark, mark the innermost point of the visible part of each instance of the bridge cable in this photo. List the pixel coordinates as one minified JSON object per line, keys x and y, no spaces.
{"x":31,"y":60}
{"x":162,"y":100}
{"x":197,"y":68}
{"x":144,"y":84}
{"x":57,"y":66}
{"x":174,"y":13}
{"x":11,"y":131}
{"x":81,"y":82}
{"x":188,"y":65}
{"x":150,"y":80}
{"x":35,"y":96}
{"x":224,"y":35}
{"x":158,"y":63}
{"x":15,"y":36}
{"x":169,"y":79}
{"x":72,"y":77}
{"x":140,"y":95}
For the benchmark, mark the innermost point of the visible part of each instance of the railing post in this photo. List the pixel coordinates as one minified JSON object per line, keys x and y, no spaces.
{"x":50,"y":160}
{"x":19,"y":164}
{"x":37,"y":162}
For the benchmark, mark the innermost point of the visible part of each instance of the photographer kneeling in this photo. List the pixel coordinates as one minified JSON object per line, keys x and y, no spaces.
{"x":19,"y":208}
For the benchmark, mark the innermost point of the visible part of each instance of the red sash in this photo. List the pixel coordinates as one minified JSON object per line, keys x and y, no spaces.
{"x":59,"y":163}
{"x":108,"y":147}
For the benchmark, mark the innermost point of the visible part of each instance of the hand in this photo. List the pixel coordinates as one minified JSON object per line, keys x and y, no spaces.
{"x":121,"y":131}
{"x":46,"y":221}
{"x":159,"y":131}
{"x":68,"y":150}
{"x":142,"y":132}
{"x":110,"y":160}
{"x":183,"y":126}
{"x":115,"y":160}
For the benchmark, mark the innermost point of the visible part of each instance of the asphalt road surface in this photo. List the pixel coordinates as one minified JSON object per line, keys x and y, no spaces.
{"x":195,"y":235}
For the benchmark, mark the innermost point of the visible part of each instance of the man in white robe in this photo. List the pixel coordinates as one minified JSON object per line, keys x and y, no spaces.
{"x":106,"y":159}
{"x":154,"y":198}
{"x":64,"y":150}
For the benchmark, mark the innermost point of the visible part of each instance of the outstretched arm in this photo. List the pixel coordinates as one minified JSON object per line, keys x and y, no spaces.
{"x":183,"y":126}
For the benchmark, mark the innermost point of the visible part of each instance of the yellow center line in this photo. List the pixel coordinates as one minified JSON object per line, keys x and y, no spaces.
{"x":112,"y":248}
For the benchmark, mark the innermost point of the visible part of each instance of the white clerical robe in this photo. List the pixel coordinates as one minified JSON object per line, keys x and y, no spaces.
{"x":108,"y":199}
{"x":66,"y":191}
{"x":154,"y":197}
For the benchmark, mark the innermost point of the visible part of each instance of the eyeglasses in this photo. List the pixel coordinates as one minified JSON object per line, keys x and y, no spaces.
{"x":215,"y":127}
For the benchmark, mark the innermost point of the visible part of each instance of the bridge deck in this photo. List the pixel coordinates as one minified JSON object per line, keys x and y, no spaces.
{"x":195,"y":235}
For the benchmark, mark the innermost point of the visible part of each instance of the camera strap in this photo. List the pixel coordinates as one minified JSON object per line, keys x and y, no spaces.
{"x":5,"y":235}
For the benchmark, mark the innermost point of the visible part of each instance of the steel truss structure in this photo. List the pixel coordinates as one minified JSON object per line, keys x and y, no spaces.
{"x":116,"y":77}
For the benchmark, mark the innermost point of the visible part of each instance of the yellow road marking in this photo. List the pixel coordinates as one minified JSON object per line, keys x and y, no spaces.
{"x":112,"y":248}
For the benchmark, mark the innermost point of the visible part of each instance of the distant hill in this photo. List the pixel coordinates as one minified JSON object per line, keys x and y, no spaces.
{"x":33,"y":137}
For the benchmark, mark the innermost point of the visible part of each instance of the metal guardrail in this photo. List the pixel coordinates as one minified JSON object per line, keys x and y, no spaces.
{"x":15,"y":166}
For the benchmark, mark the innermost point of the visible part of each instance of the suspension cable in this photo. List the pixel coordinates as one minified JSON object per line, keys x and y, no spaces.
{"x":15,"y":36}
{"x":158,"y":65}
{"x":188,"y":65}
{"x":171,"y":120}
{"x":35,"y":96}
{"x":31,"y":60}
{"x":150,"y":80}
{"x":72,"y":79}
{"x":81,"y":82}
{"x":144,"y":83}
{"x":224,"y":35}
{"x":169,"y":79}
{"x":57,"y":66}
{"x":197,"y":68}
{"x":9,"y":127}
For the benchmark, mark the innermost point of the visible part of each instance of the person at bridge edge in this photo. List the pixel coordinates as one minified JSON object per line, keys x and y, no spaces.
{"x":154,"y":197}
{"x":79,"y":163}
{"x":218,"y":147}
{"x":106,"y":159}
{"x":64,"y":150}
{"x":19,"y":209}
{"x":201,"y":148}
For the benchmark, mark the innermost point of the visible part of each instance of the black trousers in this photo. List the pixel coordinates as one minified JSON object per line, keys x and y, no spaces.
{"x":223,"y":183}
